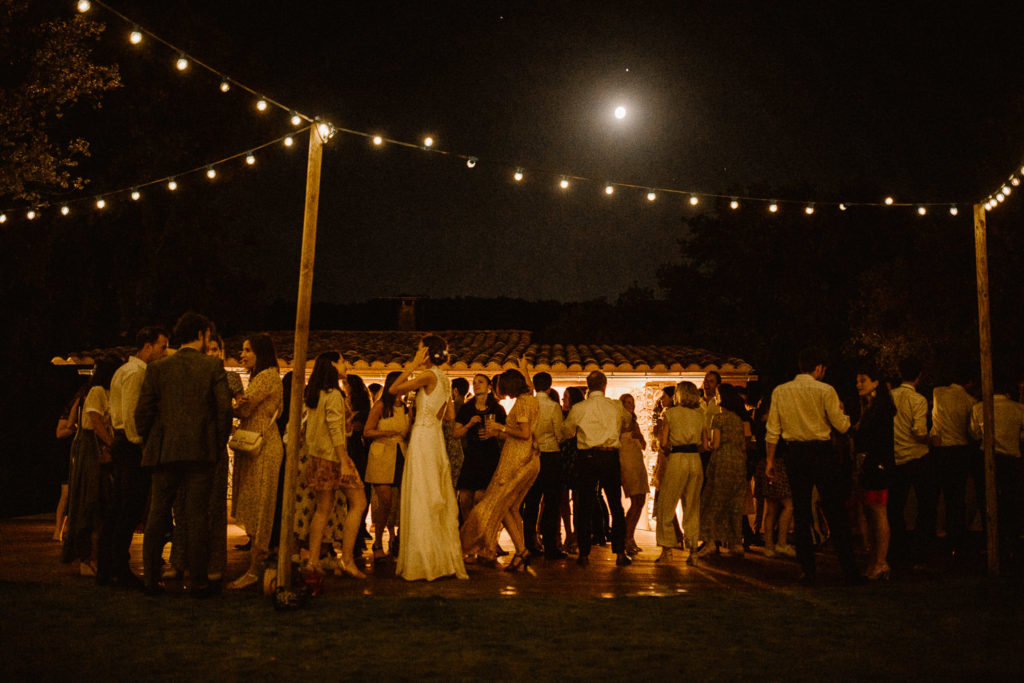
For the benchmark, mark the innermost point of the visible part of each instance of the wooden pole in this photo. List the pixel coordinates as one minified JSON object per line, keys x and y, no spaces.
{"x":988,"y":405}
{"x":284,"y":553}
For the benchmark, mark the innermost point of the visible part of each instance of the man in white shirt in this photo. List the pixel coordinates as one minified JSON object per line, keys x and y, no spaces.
{"x":913,"y":468}
{"x":1009,"y":430}
{"x":548,"y":485}
{"x":596,"y":424}
{"x":803,"y":413}
{"x":131,"y":483}
{"x":952,"y":455}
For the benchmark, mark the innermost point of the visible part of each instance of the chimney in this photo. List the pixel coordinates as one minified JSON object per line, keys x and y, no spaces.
{"x":407,"y":313}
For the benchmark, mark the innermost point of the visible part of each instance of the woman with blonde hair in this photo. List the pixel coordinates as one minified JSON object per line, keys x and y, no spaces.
{"x":682,"y":436}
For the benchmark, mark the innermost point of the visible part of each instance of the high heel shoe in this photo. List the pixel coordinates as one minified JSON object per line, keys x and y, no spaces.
{"x":878,"y":573}
{"x":379,"y":556}
{"x":519,"y":562}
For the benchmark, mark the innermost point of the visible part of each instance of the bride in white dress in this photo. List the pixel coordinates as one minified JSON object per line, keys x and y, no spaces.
{"x":429,"y":514}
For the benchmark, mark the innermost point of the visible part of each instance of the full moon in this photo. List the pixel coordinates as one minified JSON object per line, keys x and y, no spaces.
{"x":620,"y":112}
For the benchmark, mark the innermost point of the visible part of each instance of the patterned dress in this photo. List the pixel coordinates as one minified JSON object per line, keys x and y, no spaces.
{"x":256,"y":474}
{"x":516,"y":472}
{"x":725,"y":483}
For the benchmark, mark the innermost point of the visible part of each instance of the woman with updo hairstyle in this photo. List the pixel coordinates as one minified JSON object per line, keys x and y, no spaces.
{"x":517,"y":469}
{"x":682,"y":435}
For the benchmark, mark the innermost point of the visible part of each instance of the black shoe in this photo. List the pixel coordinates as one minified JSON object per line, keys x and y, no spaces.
{"x":623,"y":560}
{"x":129,"y":581}
{"x":244,"y":546}
{"x":583,"y":560}
{"x":557,"y":555}
{"x":153,"y":590}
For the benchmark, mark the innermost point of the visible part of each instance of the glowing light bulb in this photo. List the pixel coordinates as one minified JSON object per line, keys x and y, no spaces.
{"x":84,"y":5}
{"x":809,"y":209}
{"x":136,"y":195}
{"x":471,"y":162}
{"x":620,"y":112}
{"x":609,"y":189}
{"x":1006,"y":190}
{"x":101,"y":203}
{"x":288,"y":141}
{"x":261,"y":105}
{"x":172,"y":184}
{"x":1015,"y":181}
{"x":773,"y":207}
{"x":1000,"y":197}
{"x":518,"y":175}
{"x":296,"y":119}
{"x":182,"y":63}
{"x":921,"y":211}
{"x":428,"y":142}
{"x":225,"y":84}
{"x":734,"y":205}
{"x":31,"y":215}
{"x":326,"y":131}
{"x":888,"y":201}
{"x":250,"y":158}
{"x":3,"y":217}
{"x":211,"y":173}
{"x":651,"y":196}
{"x":65,"y":210}
{"x":378,"y":140}
{"x":694,"y":200}
{"x":1022,"y":169}
{"x":953,"y":211}
{"x":842,"y":207}
{"x":135,"y":36}
{"x":564,"y":183}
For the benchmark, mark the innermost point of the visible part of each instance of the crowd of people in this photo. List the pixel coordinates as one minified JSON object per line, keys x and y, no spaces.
{"x":443,"y":469}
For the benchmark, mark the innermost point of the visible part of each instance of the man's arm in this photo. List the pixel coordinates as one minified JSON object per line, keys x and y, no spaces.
{"x":222,"y":400}
{"x":834,"y":410}
{"x":131,"y":388}
{"x":919,"y":424}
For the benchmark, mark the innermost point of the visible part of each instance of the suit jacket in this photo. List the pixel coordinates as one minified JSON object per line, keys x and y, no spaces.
{"x":184,"y":410}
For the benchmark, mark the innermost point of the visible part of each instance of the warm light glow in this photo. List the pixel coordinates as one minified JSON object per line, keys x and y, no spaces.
{"x":773,"y":207}
{"x":1000,"y":197}
{"x":225,"y":84}
{"x":563,"y":183}
{"x":211,"y":173}
{"x":172,"y":185}
{"x":3,"y":217}
{"x":31,"y":215}
{"x":101,"y":203}
{"x":809,"y":209}
{"x":842,"y":207}
{"x":326,"y":131}
{"x":428,"y":142}
{"x":1006,"y":190}
{"x":182,"y":63}
{"x":135,"y":37}
{"x":953,"y":211}
{"x":620,"y":112}
{"x":921,"y":211}
{"x":1015,"y":181}
{"x":378,"y":140}
{"x":651,"y":196}
{"x":734,"y":205}
{"x":609,"y":189}
{"x":65,"y":210}
{"x":288,"y":142}
{"x":518,"y":175}
{"x":250,"y":158}
{"x":888,"y":201}
{"x":471,"y":162}
{"x":693,"y":200}
{"x":296,"y":119}
{"x":261,"y":105}
{"x":84,"y":5}
{"x":1022,"y":169}
{"x":136,"y":195}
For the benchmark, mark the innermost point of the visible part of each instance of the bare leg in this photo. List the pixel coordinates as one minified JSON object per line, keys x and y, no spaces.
{"x":566,"y":511}
{"x":679,"y":531}
{"x":324,"y":502}
{"x":465,"y":503}
{"x":62,"y":507}
{"x":785,"y":520}
{"x":350,"y":528}
{"x":880,"y":523}
{"x":513,"y":523}
{"x":636,"y":508}
{"x":381,"y":513}
{"x":771,"y":513}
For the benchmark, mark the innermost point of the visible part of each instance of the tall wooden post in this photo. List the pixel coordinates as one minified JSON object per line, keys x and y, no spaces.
{"x":284,"y":553}
{"x":988,"y":414}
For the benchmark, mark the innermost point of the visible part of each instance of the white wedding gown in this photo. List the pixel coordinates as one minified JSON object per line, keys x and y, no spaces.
{"x":429,"y":520}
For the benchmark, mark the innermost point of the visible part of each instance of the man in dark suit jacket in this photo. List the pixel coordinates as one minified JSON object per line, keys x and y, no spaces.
{"x":184,"y":418}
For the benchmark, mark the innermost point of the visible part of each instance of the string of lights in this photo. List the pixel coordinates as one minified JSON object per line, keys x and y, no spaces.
{"x":138,"y":34}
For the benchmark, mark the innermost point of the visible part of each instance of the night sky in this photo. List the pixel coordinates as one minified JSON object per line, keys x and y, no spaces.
{"x":831,"y":103}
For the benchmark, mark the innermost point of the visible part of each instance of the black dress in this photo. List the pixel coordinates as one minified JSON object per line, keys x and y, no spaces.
{"x":874,"y":439}
{"x":481,"y":456}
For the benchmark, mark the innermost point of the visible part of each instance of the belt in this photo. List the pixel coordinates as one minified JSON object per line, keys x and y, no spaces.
{"x":686,"y":448}
{"x":603,"y":449}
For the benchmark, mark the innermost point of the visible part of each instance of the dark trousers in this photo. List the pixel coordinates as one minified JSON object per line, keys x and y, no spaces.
{"x":547,"y":486}
{"x":810,"y":464}
{"x":952,"y":466}
{"x":919,"y":474}
{"x":125,"y":508}
{"x":598,"y":468}
{"x":196,"y":481}
{"x":1009,"y":496}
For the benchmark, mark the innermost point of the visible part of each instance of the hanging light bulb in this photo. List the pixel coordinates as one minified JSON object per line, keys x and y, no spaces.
{"x":888,"y":201}
{"x":809,"y":209}
{"x":65,"y":210}
{"x":1000,"y":197}
{"x":101,"y":203}
{"x":378,"y":140}
{"x":182,"y":62}
{"x":136,"y":195}
{"x":225,"y":84}
{"x":651,"y":196}
{"x":518,"y":175}
{"x":564,"y":183}
{"x":1006,"y":190}
{"x":135,"y":36}
{"x":609,"y":189}
{"x":261,"y":104}
{"x":288,"y":141}
{"x":693,"y":200}
{"x":84,"y":6}
{"x":1015,"y":181}
{"x":953,"y":210}
{"x":921,"y":210}
{"x":172,"y":184}
{"x":471,"y":162}
{"x":734,"y":205}
{"x":326,"y":131}
{"x":773,"y":207}
{"x":428,"y":141}
{"x":211,"y":173}
{"x":296,"y":119}
{"x":842,"y":207}
{"x":3,"y":217}
{"x":31,"y":215}
{"x":250,"y":158}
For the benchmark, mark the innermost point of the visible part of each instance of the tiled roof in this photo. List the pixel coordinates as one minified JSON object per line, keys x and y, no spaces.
{"x":496,"y":349}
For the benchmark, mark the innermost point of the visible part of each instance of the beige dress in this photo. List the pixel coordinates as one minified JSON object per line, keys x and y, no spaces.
{"x":256,"y":474}
{"x":383,"y":455}
{"x":516,"y":472}
{"x":631,"y":463}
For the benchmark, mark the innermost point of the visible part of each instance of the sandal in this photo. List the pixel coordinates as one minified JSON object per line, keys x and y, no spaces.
{"x":379,"y":556}
{"x":519,"y":562}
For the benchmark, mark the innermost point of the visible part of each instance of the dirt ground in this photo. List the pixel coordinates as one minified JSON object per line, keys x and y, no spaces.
{"x":727,"y":619}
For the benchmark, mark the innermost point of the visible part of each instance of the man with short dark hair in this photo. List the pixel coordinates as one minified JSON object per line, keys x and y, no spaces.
{"x":130,"y":482}
{"x":952,"y":455}
{"x":184,"y":418}
{"x":804,"y":411}
{"x":596,"y":423}
{"x":548,"y":485}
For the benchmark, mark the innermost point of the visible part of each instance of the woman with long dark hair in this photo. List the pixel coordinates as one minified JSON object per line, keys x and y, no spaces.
{"x":386,"y":426}
{"x":328,"y":467}
{"x":480,"y":451}
{"x":359,"y":404}
{"x":873,"y":445}
{"x":517,"y":469}
{"x":256,"y":472}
